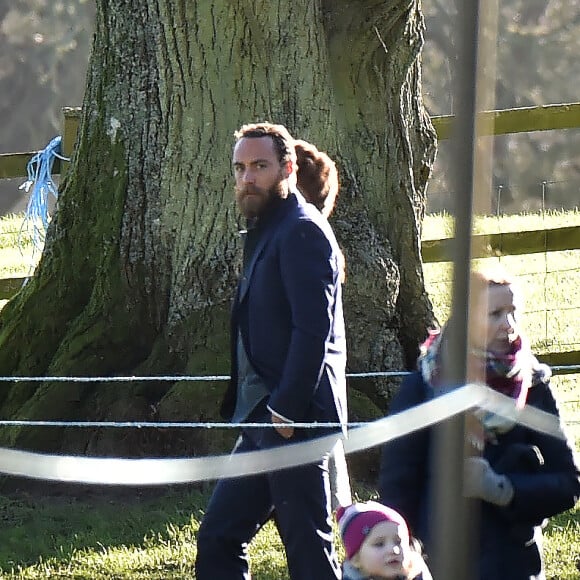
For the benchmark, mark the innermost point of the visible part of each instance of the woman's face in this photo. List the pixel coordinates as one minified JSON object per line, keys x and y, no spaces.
{"x":493,"y":323}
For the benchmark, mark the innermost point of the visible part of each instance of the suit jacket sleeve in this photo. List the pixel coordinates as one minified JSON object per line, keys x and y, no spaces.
{"x":309,"y":270}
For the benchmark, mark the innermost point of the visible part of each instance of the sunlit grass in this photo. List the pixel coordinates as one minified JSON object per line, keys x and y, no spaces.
{"x":155,"y":539}
{"x":562,"y":548}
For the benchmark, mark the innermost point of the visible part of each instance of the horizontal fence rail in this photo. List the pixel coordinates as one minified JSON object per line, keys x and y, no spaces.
{"x":14,"y":164}
{"x":520,"y":120}
{"x":507,"y":244}
{"x":173,"y":470}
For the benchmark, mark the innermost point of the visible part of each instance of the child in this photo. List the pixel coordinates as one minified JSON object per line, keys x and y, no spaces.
{"x":377,"y":544}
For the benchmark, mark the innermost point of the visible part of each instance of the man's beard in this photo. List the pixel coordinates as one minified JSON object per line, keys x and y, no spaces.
{"x":256,"y":201}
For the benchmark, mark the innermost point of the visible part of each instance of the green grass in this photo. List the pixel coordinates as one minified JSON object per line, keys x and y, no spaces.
{"x":112,"y":536}
{"x":562,"y":546}
{"x":149,"y":537}
{"x":152,"y":535}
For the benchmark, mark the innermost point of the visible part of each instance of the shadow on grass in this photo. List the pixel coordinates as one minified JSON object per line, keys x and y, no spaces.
{"x":41,"y":521}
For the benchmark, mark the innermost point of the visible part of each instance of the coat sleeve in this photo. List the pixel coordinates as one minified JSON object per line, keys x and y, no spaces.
{"x":403,"y":475}
{"x":310,"y":275}
{"x":554,"y":486}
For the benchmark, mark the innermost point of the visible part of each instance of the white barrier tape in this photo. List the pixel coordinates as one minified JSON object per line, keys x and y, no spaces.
{"x":529,"y":416}
{"x":117,"y":471}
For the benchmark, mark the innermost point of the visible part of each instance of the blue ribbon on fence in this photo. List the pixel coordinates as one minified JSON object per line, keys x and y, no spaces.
{"x":39,"y":178}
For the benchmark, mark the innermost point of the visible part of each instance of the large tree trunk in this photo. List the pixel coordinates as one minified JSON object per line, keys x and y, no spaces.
{"x":141,"y":259}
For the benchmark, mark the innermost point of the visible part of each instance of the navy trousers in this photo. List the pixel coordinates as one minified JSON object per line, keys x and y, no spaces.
{"x":299,"y":500}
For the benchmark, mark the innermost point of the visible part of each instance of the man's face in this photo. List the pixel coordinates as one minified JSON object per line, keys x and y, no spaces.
{"x":260,"y":176}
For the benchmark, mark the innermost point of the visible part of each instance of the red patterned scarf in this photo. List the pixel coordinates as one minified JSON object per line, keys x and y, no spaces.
{"x":511,"y":374}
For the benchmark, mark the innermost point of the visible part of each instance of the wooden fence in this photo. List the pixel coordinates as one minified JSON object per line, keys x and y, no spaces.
{"x":508,"y":244}
{"x":14,"y":164}
{"x":521,"y":120}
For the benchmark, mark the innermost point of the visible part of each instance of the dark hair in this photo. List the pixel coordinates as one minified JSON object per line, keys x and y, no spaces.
{"x":283,"y":141}
{"x":317,"y":180}
{"x":317,"y":176}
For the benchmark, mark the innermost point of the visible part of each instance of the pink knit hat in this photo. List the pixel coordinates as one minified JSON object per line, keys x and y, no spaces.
{"x":357,"y":520}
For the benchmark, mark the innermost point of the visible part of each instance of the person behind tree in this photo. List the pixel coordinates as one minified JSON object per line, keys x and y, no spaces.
{"x":377,"y":544}
{"x":521,"y":476}
{"x":317,"y":177}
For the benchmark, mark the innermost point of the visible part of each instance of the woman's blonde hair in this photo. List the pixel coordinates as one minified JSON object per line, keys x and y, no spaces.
{"x":482,"y":279}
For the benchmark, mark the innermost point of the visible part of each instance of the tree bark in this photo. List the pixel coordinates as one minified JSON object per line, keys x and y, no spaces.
{"x":142,"y":256}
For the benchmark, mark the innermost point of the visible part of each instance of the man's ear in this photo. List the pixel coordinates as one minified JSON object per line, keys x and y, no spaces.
{"x":287,"y":169}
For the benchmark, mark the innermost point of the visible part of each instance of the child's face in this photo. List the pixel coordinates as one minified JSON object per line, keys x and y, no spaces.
{"x":384,"y":551}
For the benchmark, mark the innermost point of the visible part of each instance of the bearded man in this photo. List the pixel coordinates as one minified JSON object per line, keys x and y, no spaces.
{"x":288,"y":366}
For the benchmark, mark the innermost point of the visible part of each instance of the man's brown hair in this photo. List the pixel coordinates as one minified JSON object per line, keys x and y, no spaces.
{"x":283,"y":141}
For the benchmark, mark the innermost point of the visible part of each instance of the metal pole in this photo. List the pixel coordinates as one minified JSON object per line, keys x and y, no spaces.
{"x":454,"y":520}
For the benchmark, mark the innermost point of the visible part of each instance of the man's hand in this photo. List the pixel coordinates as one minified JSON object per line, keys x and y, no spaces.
{"x":284,"y":429}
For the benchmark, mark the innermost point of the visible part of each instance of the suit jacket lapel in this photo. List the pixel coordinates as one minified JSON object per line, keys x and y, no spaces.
{"x":270,"y":230}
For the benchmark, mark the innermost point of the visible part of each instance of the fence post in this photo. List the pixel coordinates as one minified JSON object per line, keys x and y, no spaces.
{"x":71,"y":122}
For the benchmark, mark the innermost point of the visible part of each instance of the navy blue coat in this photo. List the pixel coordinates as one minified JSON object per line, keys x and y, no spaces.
{"x":508,"y":535}
{"x":289,"y":313}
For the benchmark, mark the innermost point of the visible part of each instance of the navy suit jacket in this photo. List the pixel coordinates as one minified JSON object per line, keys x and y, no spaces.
{"x":288,"y":309}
